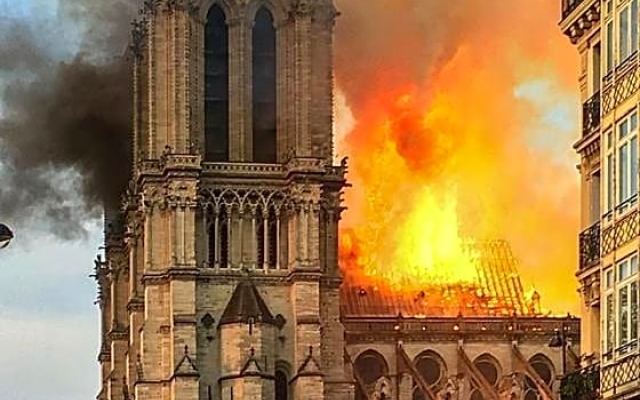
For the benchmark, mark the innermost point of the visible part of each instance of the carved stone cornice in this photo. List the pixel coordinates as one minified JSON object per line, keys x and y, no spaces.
{"x":590,"y":289}
{"x":119,"y":333}
{"x":135,"y":304}
{"x":454,"y":329}
{"x":163,"y":277}
{"x":588,"y":146}
{"x":581,"y":19}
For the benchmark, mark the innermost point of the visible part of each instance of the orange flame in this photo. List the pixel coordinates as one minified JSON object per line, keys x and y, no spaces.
{"x":440,"y":163}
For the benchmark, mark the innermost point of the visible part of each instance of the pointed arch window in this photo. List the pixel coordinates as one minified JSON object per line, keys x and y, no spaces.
{"x":282,"y":385}
{"x":264,"y":88}
{"x":216,"y":97}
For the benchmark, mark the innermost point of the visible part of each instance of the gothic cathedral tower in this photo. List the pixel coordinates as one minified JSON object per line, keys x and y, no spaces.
{"x":221,"y":282}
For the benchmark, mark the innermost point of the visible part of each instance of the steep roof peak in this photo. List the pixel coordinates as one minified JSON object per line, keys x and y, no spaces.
{"x":245,"y":303}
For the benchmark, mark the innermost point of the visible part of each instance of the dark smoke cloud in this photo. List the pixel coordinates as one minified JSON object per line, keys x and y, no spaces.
{"x":64,"y":114}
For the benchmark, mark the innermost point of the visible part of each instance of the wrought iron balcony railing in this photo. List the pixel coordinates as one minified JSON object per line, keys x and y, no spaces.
{"x":590,"y":246}
{"x":568,"y":6}
{"x":620,"y":233}
{"x":591,"y":114}
{"x":583,"y":384}
{"x":622,"y":373}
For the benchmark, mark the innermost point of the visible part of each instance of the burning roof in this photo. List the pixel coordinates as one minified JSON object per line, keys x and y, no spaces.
{"x":496,"y":290}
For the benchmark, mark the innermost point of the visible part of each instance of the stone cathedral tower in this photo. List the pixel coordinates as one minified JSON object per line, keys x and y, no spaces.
{"x":221,"y":278}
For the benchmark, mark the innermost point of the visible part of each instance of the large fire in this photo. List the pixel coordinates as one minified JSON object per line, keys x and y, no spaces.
{"x":443,"y":162}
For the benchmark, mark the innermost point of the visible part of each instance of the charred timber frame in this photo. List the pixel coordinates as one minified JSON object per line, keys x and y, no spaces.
{"x":488,"y":391}
{"x":524,"y":364}
{"x":406,"y":365}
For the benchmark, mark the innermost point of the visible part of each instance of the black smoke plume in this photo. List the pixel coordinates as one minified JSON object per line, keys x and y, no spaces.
{"x":65,"y":116}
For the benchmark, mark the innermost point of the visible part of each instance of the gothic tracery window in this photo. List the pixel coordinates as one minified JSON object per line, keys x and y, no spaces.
{"x":543,"y":367}
{"x":216,"y":107}
{"x":264,"y":88}
{"x":260,"y":237}
{"x":369,"y":367}
{"x":432,"y":370}
{"x":490,"y":370}
{"x":272,"y":240}
{"x":223,"y":241}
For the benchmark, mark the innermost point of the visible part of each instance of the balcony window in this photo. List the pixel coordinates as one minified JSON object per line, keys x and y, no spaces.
{"x":627,"y":162}
{"x":609,"y":58}
{"x":623,"y":316}
{"x":608,"y":170}
{"x":595,"y":197}
{"x":609,"y":279}
{"x":609,"y":331}
{"x":620,"y":319}
{"x":596,"y":63}
{"x":628,"y":31}
{"x":621,"y":166}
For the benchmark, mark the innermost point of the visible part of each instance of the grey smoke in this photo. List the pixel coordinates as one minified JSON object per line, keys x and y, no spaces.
{"x":64,"y":114}
{"x":69,"y":120}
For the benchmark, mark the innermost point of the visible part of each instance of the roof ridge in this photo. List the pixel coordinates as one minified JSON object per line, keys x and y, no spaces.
{"x":246,"y":303}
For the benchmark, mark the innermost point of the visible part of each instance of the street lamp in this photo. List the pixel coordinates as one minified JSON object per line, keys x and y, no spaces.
{"x":559,"y":340}
{"x":5,"y":236}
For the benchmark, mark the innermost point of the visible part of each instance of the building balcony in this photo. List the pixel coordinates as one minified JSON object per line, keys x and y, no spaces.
{"x":590,"y":246}
{"x":579,"y":17}
{"x":568,"y":6}
{"x":620,"y":83}
{"x":591,"y":115}
{"x":621,"y":377}
{"x":583,"y":384}
{"x":623,"y":230}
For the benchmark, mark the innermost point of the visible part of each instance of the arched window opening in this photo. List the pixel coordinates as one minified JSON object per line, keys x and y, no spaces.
{"x":213,"y":239}
{"x":264,"y":88}
{"x":282,"y":386}
{"x":260,"y":238}
{"x":216,"y":97}
{"x":489,"y":369}
{"x":432,"y":369}
{"x":543,"y":367}
{"x":272,"y":239}
{"x":370,"y":366}
{"x":223,"y":233}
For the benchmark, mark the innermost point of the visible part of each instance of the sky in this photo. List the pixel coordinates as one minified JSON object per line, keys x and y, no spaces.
{"x":49,"y":326}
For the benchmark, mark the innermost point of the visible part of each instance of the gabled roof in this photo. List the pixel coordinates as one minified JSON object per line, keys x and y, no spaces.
{"x":186,"y":366}
{"x":246,"y":303}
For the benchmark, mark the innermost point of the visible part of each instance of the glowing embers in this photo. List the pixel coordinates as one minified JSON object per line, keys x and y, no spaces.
{"x":496,"y":289}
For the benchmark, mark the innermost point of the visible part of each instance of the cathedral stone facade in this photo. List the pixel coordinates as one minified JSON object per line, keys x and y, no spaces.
{"x":220,"y":279}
